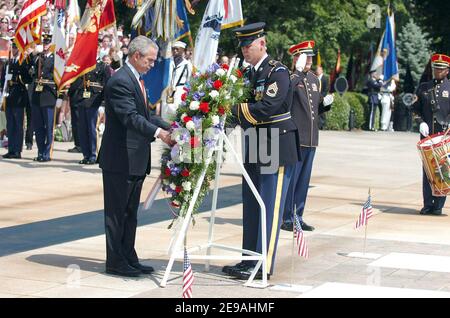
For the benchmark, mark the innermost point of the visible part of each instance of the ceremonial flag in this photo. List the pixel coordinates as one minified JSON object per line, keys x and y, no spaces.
{"x":188,"y":276}
{"x":300,"y":238}
{"x":233,"y":14}
{"x":59,"y":41}
{"x":336,"y":71}
{"x":390,"y":65}
{"x":108,"y":17}
{"x":366,"y":213}
{"x":83,"y":58}
{"x":208,"y":35}
{"x":182,"y":22}
{"x":319,"y":59}
{"x":73,"y":17}
{"x":28,"y":29}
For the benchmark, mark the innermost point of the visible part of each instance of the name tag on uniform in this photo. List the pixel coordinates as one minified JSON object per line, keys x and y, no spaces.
{"x":314,"y":87}
{"x":445,"y":94}
{"x":86,"y":94}
{"x":39,"y":88}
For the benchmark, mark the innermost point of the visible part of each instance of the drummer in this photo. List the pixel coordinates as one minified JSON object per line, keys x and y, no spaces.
{"x":432,"y":107}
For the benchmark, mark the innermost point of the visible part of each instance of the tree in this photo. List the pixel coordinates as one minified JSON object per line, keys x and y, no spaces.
{"x":413,"y":50}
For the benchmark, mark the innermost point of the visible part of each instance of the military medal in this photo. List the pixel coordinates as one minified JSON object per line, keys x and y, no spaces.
{"x":445,"y":94}
{"x":86,"y":94}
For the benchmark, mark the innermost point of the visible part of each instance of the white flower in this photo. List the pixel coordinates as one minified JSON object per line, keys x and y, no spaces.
{"x":233,"y":78}
{"x":165,"y":182}
{"x":228,"y":96}
{"x":182,"y":116}
{"x":215,"y":120}
{"x":214,"y":94}
{"x":190,"y":125}
{"x":179,"y":140}
{"x":186,"y":186}
{"x":241,"y":92}
{"x":221,"y":72}
{"x":173,"y":186}
{"x":194,"y":105}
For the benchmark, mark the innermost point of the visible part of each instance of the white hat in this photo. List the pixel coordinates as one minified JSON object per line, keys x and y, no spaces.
{"x":179,"y":44}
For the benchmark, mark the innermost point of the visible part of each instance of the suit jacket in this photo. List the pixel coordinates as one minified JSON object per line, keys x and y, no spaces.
{"x":129,"y":127}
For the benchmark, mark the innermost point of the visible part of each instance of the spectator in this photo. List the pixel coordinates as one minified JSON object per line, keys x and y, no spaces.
{"x":105,"y":46}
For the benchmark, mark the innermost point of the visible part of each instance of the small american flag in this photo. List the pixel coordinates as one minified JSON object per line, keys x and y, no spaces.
{"x":188,"y":276}
{"x":300,"y":238}
{"x":366,"y":213}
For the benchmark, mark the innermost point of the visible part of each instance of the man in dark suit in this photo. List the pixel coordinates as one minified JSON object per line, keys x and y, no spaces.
{"x":125,"y":155}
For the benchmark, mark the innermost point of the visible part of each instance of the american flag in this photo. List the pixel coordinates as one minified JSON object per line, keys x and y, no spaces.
{"x":366,"y":213}
{"x":300,"y":238}
{"x":188,"y":276}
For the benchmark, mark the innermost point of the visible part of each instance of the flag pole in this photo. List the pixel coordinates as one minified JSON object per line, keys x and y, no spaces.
{"x":365,"y":231}
{"x":293,"y":246}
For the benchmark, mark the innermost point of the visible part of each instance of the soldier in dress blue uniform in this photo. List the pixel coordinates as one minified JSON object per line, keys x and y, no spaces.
{"x":374,"y":85}
{"x":270,"y":146}
{"x":43,"y":100}
{"x":86,"y":94}
{"x":432,"y":107}
{"x":308,"y":103}
{"x":16,"y":102}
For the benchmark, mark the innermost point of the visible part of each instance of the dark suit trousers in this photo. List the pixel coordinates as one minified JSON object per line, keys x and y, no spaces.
{"x":121,"y":200}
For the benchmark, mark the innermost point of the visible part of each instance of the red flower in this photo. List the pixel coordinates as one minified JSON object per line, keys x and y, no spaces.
{"x":185,"y":173}
{"x":204,"y":107}
{"x":184,"y":97}
{"x":178,"y":189}
{"x":225,"y":67}
{"x":217,"y":84}
{"x":185,"y":89}
{"x":239,"y":73}
{"x":167,"y":172}
{"x":221,"y":110}
{"x":194,"y":142}
{"x":187,"y":119}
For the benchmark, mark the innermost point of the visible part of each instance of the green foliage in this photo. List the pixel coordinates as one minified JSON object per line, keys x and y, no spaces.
{"x":357,"y":103}
{"x":337,"y":117}
{"x":413,"y":49}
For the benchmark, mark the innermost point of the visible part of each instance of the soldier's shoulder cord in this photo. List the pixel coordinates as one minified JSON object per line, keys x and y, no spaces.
{"x":276,"y":65}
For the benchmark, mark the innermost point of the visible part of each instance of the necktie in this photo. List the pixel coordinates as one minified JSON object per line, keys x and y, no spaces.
{"x":144,"y":92}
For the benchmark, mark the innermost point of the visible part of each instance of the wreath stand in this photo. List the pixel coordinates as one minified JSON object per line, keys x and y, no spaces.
{"x":176,"y":251}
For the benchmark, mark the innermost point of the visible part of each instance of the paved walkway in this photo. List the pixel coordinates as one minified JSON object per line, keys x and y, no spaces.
{"x":52,"y":241}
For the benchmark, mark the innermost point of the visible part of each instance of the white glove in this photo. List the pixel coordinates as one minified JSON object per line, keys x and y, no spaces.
{"x":381,"y":77}
{"x":328,"y":100}
{"x":59,"y":103}
{"x":8,"y":77}
{"x":301,"y":62}
{"x":424,"y":130}
{"x":101,"y":110}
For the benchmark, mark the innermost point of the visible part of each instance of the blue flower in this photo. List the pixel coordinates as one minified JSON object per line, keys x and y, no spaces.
{"x":198,"y":96}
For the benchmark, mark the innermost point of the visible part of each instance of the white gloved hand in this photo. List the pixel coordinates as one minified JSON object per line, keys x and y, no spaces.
{"x":328,"y":100}
{"x":381,"y":77}
{"x":101,"y":110}
{"x":59,"y":102}
{"x":301,"y":62}
{"x":424,"y":130}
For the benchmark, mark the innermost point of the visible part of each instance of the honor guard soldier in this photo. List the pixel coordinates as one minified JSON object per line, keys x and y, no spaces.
{"x":270,"y":147}
{"x":181,"y":71}
{"x":374,"y":85}
{"x":43,"y":100}
{"x":432,"y":107}
{"x":16,"y":101}
{"x":308,"y":103}
{"x":86,"y":94}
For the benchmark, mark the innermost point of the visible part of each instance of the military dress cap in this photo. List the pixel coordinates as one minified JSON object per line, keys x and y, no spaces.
{"x":248,"y":33}
{"x":440,"y":61}
{"x":46,"y":38}
{"x":306,"y":47}
{"x":179,"y":44}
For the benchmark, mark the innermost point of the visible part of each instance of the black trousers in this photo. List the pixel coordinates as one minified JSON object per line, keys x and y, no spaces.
{"x":74,"y":117}
{"x":121,"y":201}
{"x":29,"y":130}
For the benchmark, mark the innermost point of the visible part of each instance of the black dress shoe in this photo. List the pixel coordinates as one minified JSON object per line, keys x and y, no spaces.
{"x":144,"y":269}
{"x":38,"y":158}
{"x":75,"y":150}
{"x":126,"y":271}
{"x":436,"y":212}
{"x":306,"y":227}
{"x":287,"y":226}
{"x":83,"y":162}
{"x":12,"y":155}
{"x":91,"y":162}
{"x":246,"y":273}
{"x":228,"y":269}
{"x":426,"y":211}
